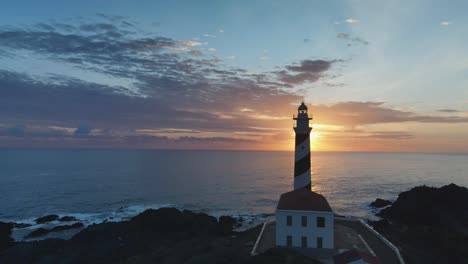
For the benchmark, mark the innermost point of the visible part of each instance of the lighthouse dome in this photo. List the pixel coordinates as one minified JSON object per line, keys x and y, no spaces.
{"x":302,"y":107}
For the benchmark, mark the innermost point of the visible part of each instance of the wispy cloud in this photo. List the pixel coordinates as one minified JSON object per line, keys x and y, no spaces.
{"x":448,"y":111}
{"x":352,"y":21}
{"x":191,"y":43}
{"x":364,"y":113}
{"x":352,"y":39}
{"x":445,"y":23}
{"x":306,"y":71}
{"x":209,"y":36}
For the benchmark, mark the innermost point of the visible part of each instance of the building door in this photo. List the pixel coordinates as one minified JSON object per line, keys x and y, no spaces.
{"x":304,"y":242}
{"x":289,"y":241}
{"x":319,"y":242}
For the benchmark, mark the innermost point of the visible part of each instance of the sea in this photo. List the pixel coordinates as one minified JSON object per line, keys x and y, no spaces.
{"x":114,"y":185}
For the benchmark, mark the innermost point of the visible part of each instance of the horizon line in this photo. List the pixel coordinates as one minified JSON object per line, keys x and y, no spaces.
{"x":237,"y":150}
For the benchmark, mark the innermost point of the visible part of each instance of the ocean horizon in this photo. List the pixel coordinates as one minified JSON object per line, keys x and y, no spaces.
{"x":114,"y":185}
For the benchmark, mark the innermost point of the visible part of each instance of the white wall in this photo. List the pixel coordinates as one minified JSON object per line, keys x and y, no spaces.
{"x":296,"y":230}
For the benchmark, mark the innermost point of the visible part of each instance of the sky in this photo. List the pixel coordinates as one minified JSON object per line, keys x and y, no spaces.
{"x":389,"y":76}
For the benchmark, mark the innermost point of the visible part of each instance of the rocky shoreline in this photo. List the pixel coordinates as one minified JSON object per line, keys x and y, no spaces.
{"x":166,"y":235}
{"x":429,"y":225}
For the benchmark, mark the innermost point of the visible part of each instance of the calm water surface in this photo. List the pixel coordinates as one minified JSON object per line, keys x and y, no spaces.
{"x":115,"y":184}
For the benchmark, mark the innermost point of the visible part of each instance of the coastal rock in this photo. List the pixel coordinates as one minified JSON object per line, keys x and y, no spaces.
{"x":21,"y":225}
{"x":227,"y":223}
{"x":379,"y":203}
{"x":425,"y":205}
{"x":430,"y":224}
{"x":66,"y":227}
{"x":44,"y":231}
{"x":46,"y":219}
{"x":38,"y":232}
{"x":166,"y":235}
{"x":67,"y":219}
{"x":5,"y":235}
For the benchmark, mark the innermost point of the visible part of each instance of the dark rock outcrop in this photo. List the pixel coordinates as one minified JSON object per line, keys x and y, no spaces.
{"x":46,"y":219}
{"x":379,"y":203}
{"x":5,"y":235}
{"x":67,"y":219}
{"x":227,"y":223}
{"x":38,"y":232}
{"x":21,"y":225}
{"x":66,"y":227}
{"x":44,"y":231}
{"x":430,"y":224}
{"x":166,"y":235}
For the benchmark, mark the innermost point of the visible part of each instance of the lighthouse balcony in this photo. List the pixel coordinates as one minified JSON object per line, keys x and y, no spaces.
{"x":302,"y":117}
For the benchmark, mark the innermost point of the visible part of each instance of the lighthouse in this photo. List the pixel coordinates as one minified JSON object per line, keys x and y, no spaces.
{"x":302,"y":150}
{"x":304,"y":219}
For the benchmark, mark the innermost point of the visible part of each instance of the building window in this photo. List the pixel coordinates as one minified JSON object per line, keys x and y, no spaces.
{"x":320,"y":221}
{"x":304,"y":220}
{"x":319,"y":242}
{"x":289,"y":220}
{"x":289,"y":241}
{"x":304,"y":242}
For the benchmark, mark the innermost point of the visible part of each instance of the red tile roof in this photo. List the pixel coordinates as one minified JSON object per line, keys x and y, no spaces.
{"x":303,"y":200}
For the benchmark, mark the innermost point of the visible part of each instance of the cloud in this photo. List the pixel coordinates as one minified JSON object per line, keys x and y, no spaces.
{"x":365,"y":113}
{"x":352,"y":39}
{"x":209,"y":36}
{"x":98,"y":27}
{"x":221,"y":31}
{"x":158,"y":84}
{"x":363,"y":134}
{"x":230,"y":57}
{"x":214,"y":140}
{"x":352,"y":21}
{"x":449,"y":111}
{"x":83,"y":130}
{"x":263,"y":58}
{"x":195,"y":52}
{"x":191,"y":43}
{"x":306,"y":71}
{"x":445,"y":23}
{"x":211,"y":49}
{"x":390,"y":135}
{"x":307,"y":40}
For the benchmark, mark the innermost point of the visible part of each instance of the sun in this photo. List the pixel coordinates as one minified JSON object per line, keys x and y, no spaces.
{"x":314,"y":135}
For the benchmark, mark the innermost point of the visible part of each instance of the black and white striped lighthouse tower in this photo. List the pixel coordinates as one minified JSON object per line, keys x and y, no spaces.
{"x":302,"y":153}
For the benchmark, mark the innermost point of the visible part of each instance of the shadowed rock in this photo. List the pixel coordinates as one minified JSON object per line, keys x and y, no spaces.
{"x":5,"y":235}
{"x":166,"y":235}
{"x":39,"y":232}
{"x":431,"y":224}
{"x":44,"y":231}
{"x":67,"y":219}
{"x":379,"y":203}
{"x":21,"y":225}
{"x":46,"y":219}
